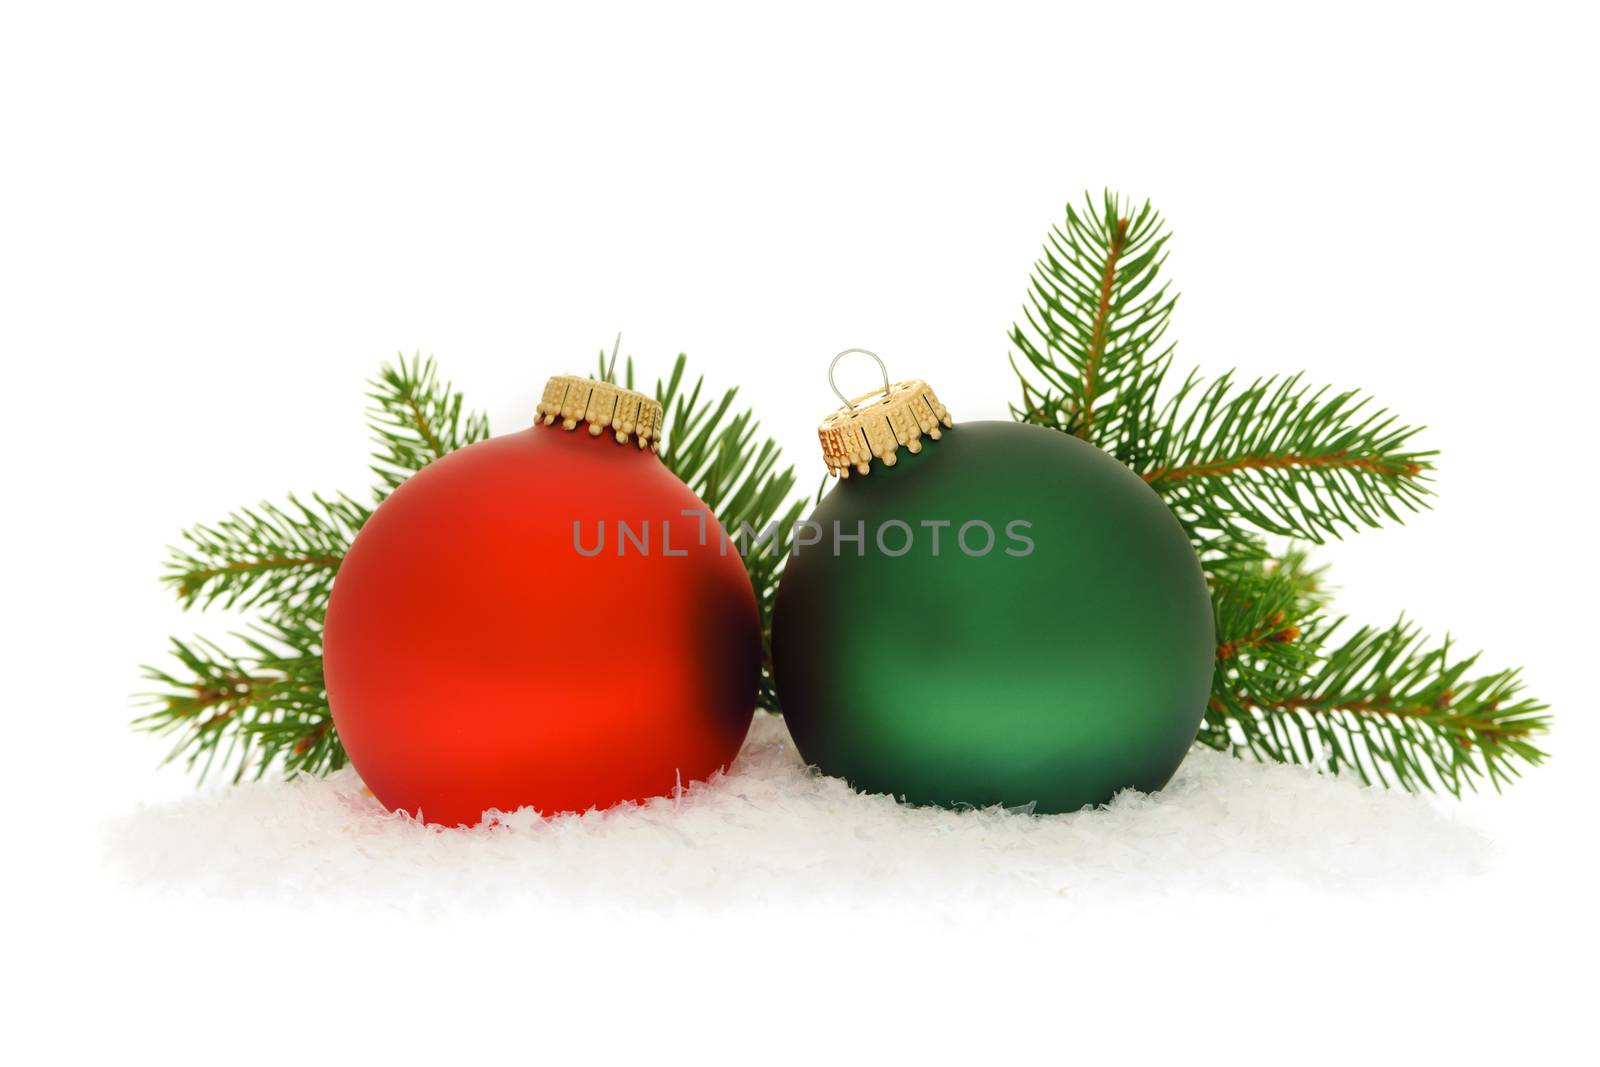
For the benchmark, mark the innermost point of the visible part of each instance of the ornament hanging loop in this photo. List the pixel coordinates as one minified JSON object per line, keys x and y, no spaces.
{"x":877,"y":425}
{"x":851,"y":352}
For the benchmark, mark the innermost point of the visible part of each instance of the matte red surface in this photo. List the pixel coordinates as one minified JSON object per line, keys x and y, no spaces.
{"x":476,"y":660}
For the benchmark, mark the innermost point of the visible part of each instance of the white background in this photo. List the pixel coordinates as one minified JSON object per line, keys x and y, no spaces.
{"x":217,"y":221}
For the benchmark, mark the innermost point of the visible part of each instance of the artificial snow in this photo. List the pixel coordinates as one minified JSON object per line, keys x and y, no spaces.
{"x":771,"y":828}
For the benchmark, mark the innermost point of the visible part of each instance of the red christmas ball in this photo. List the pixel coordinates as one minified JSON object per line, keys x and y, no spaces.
{"x":480,"y":653}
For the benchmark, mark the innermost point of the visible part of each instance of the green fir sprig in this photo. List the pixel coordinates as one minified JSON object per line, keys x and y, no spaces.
{"x":1096,"y":320}
{"x":1240,"y":464}
{"x":1381,"y":702}
{"x":260,"y":704}
{"x":280,"y":555}
{"x":1282,"y":457}
{"x":415,"y":419}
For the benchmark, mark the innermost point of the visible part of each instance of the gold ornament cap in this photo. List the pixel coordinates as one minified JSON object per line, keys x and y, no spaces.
{"x":878,"y":424}
{"x":604,"y":406}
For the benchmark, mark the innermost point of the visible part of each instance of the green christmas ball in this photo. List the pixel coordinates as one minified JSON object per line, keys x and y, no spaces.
{"x":1008,"y":616}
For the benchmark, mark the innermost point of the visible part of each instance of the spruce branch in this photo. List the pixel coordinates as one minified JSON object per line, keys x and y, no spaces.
{"x":260,"y":705}
{"x":1386,"y":705}
{"x":263,"y":704}
{"x":1239,"y":461}
{"x":1261,"y":612}
{"x":282,"y":555}
{"x":415,"y":419}
{"x":1095,"y":318}
{"x":1283,"y":457}
{"x":1276,"y":455}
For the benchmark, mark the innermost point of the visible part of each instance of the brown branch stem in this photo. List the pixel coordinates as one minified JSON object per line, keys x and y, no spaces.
{"x":189,"y":581}
{"x":1333,"y":461}
{"x":1486,"y":729}
{"x":1099,"y":337}
{"x":423,"y":427}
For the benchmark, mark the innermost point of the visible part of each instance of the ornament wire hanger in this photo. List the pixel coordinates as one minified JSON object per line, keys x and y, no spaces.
{"x":835,"y":386}
{"x":893,"y":417}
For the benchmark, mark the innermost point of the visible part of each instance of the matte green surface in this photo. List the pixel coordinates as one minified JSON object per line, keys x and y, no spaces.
{"x":1054,"y":679}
